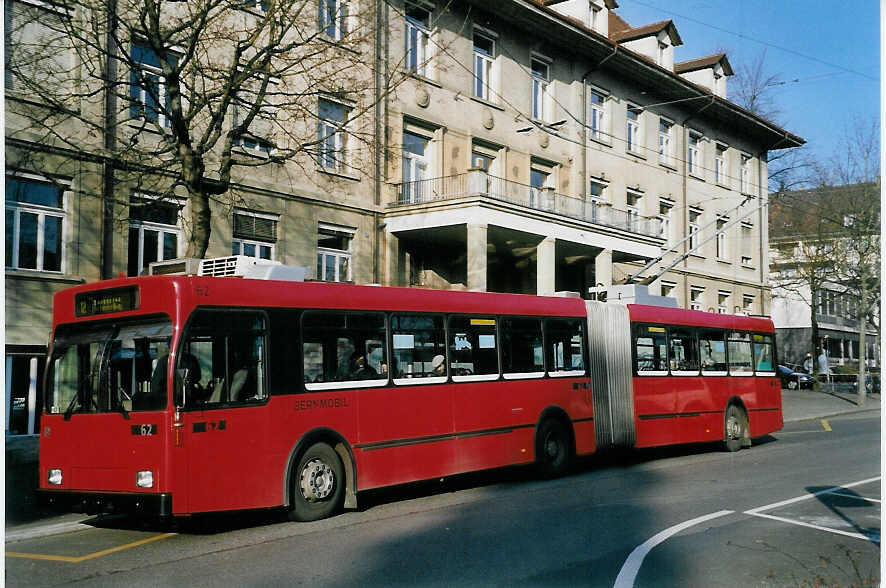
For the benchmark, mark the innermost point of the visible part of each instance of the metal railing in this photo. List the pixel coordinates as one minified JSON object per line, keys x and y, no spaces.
{"x":479,"y":183}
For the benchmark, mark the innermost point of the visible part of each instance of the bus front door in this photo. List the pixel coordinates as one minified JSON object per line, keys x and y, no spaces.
{"x":221,"y":370}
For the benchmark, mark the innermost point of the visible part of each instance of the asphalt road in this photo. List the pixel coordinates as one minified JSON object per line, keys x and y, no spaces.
{"x":801,"y":506}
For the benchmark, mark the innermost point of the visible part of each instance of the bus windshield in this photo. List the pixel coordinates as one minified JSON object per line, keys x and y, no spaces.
{"x":114,"y":367}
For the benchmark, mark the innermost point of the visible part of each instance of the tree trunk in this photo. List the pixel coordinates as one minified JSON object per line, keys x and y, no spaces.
{"x":201,"y":227}
{"x":862,"y":344}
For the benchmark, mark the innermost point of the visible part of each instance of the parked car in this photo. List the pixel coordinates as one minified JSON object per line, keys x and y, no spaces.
{"x":793,"y":380}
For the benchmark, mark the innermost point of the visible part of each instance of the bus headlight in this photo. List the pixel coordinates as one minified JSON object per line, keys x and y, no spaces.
{"x":144,"y":479}
{"x":54,"y":477}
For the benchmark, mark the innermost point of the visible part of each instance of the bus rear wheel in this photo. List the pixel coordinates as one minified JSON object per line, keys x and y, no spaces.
{"x":736,"y":428}
{"x":317,"y":484}
{"x":553,"y":451}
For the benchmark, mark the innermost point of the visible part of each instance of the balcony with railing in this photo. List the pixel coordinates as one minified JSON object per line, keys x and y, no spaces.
{"x":478,"y":183}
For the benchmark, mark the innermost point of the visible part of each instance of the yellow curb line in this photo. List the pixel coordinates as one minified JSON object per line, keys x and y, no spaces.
{"x":83,"y":558}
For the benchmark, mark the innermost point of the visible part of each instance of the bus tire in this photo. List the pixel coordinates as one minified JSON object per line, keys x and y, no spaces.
{"x":553,"y":452}
{"x":736,"y":424}
{"x":318,"y":484}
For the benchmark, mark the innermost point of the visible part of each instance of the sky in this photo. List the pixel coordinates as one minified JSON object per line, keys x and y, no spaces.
{"x":827,"y":52}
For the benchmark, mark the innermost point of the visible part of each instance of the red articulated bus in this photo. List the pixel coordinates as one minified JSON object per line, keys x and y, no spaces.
{"x":173,"y":395}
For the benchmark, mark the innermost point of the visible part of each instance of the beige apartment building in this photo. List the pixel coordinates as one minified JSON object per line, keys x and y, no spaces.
{"x":511,"y":146}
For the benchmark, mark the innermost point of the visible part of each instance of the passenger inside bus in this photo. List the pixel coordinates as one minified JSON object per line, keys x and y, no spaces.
{"x":360,"y":368}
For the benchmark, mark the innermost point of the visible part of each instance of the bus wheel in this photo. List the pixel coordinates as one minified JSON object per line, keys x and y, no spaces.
{"x":552,"y":451}
{"x":318,"y":484}
{"x":736,"y":424}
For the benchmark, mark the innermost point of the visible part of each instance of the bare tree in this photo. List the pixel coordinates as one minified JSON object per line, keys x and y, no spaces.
{"x":856,"y":167}
{"x":753,"y":88}
{"x":195,"y":95}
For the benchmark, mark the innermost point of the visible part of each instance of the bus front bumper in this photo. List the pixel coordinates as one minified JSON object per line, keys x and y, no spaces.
{"x":108,"y":502}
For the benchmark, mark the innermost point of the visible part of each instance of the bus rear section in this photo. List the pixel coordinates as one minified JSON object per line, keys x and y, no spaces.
{"x":665,"y":376}
{"x":106,"y":428}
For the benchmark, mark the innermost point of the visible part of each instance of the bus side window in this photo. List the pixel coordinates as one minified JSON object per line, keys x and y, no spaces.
{"x":343,"y":347}
{"x":521,"y":346}
{"x":763,"y":355}
{"x":565,"y":348}
{"x":473,"y":349}
{"x":223,"y":357}
{"x":418,"y":339}
{"x":740,"y":353}
{"x":683,"y":350}
{"x":650,"y":345}
{"x":712,"y":351}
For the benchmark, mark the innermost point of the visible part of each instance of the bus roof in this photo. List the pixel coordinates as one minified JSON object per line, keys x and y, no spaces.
{"x":641,"y":313}
{"x":171,"y":294}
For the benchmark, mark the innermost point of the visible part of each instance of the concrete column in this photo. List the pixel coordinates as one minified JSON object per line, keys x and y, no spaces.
{"x":603,"y":267}
{"x":546,"y":253}
{"x":477,"y":240}
{"x":392,"y":265}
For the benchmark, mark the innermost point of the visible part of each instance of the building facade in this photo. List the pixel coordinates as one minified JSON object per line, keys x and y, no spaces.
{"x":517,"y":146}
{"x":809,"y":232}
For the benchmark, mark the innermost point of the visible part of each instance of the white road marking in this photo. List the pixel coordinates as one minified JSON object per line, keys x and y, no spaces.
{"x":855,"y":496}
{"x":628,"y":573}
{"x":631,"y":567}
{"x":808,"y":496}
{"x":818,"y":527}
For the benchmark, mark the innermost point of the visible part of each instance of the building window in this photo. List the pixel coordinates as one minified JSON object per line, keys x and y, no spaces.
{"x":723,"y":301}
{"x":747,"y":243}
{"x":696,"y":297}
{"x":720,"y":170}
{"x":747,"y":304}
{"x":258,"y":137}
{"x":596,"y":17}
{"x":694,"y":154}
{"x":598,"y":192}
{"x":541,"y":175}
{"x":416,"y":162}
{"x":694,"y":228}
{"x":541,"y":78}
{"x":332,"y":120}
{"x":745,"y":185}
{"x":154,"y":232}
{"x":633,"y":200}
{"x":35,"y":219}
{"x":665,"y":209}
{"x":333,"y":17}
{"x":599,"y":120}
{"x":665,"y":142}
{"x":418,"y":34}
{"x":37,"y":50}
{"x":722,"y":251}
{"x":484,"y":58}
{"x":634,"y":130}
{"x":668,"y":288}
{"x":255,"y":235}
{"x":148,"y":92}
{"x":334,"y":252}
{"x":24,"y":374}
{"x":662,"y":53}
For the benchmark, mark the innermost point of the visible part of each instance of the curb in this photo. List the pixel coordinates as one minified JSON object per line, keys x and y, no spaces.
{"x":45,"y":531}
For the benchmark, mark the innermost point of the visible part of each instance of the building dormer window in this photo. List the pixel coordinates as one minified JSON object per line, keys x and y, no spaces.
{"x":662,"y":53}
{"x":595,"y":17}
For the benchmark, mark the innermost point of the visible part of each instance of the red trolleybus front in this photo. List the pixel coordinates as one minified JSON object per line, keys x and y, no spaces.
{"x":107,"y":423}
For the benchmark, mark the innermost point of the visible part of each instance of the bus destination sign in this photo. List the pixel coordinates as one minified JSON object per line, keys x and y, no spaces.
{"x":106,"y":301}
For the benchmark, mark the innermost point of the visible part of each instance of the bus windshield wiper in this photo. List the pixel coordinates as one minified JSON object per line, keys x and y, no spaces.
{"x":70,"y":410}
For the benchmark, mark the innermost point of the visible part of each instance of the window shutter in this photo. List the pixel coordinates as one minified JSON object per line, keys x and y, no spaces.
{"x":247,"y":226}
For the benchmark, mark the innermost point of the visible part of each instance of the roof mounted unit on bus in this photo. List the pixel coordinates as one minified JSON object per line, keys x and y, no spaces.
{"x":630,"y":294}
{"x":183,"y":266}
{"x":241,"y":266}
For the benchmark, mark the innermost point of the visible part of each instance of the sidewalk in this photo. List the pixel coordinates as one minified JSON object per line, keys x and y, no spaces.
{"x":25,"y":519}
{"x":800,"y":405}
